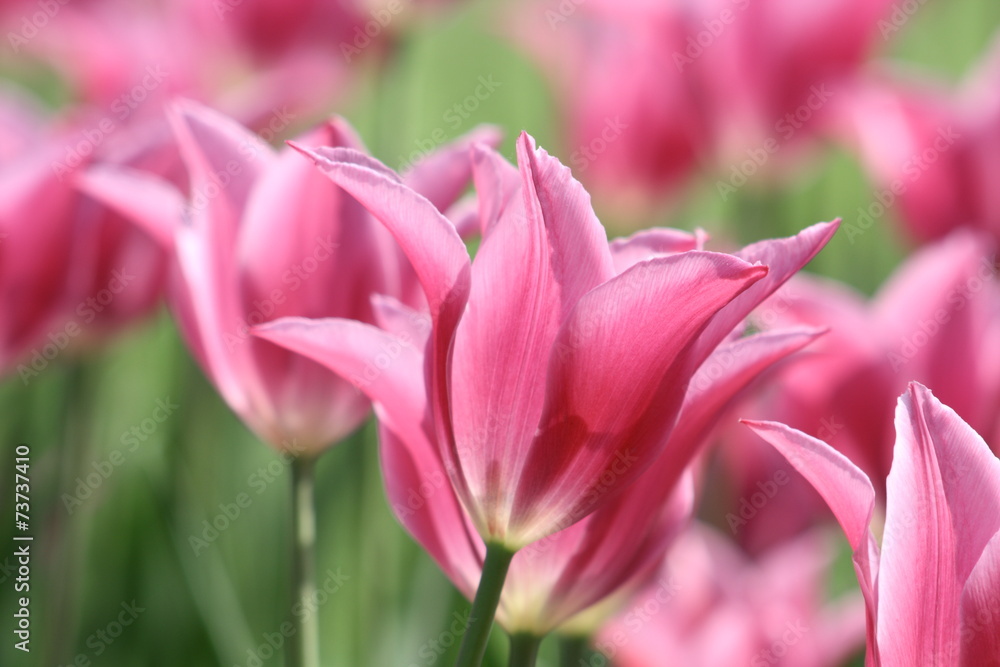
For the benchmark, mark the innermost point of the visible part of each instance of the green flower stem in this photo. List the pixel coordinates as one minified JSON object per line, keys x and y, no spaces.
{"x":524,"y":649}
{"x":303,"y":645}
{"x":484,"y":607}
{"x":573,"y":651}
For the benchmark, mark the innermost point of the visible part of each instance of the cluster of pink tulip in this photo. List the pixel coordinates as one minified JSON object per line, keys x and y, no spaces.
{"x":552,"y":398}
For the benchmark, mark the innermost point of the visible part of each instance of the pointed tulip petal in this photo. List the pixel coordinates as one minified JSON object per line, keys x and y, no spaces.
{"x":333,"y":235}
{"x":581,"y":258}
{"x":783,"y":257}
{"x":443,"y":175}
{"x":223,"y":158}
{"x":847,"y":491}
{"x":149,"y":201}
{"x":651,"y":243}
{"x":943,"y":508}
{"x":726,"y":373}
{"x":425,"y":504}
{"x":497,"y":184}
{"x":503,"y":376}
{"x":224,"y":161}
{"x":386,"y":368}
{"x":433,"y":247}
{"x":206,"y":315}
{"x":401,"y":320}
{"x":615,"y":357}
{"x":426,"y":236}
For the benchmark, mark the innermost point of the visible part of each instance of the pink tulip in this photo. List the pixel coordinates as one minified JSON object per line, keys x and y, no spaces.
{"x":267,"y":27}
{"x":777,"y":68}
{"x":618,"y":546}
{"x":614,"y":548}
{"x":931,"y":152}
{"x":517,"y":482}
{"x":346,"y":30}
{"x":461,"y":463}
{"x":933,"y":589}
{"x":709,"y":605}
{"x":123,"y":61}
{"x":71,"y":271}
{"x":558,"y":364}
{"x":654,"y":90}
{"x":262,"y":235}
{"x":635,"y":131}
{"x":934,"y":321}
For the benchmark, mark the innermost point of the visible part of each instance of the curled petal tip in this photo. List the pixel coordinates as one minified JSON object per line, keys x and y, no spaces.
{"x":305,"y":150}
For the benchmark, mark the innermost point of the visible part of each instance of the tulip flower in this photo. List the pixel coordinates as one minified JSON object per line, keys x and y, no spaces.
{"x":634,"y":126}
{"x":345,"y":30}
{"x":261,"y":234}
{"x":932,"y":590}
{"x":774,"y":73}
{"x":72,"y":272}
{"x":617,"y":546}
{"x":607,"y":552}
{"x":653,"y":91}
{"x":266,"y":28}
{"x":710,"y":605}
{"x":127,"y":60}
{"x":934,"y":321}
{"x":560,"y":366}
{"x":243,"y":257}
{"x":931,"y":151}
